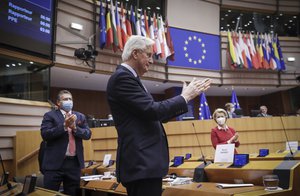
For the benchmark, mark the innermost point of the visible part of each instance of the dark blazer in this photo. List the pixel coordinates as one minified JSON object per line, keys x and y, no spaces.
{"x":142,"y":143}
{"x":52,"y":131}
{"x":261,"y":115}
{"x":233,"y":115}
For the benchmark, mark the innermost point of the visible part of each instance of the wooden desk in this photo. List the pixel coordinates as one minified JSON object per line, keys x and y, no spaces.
{"x":18,"y":187}
{"x":206,"y":189}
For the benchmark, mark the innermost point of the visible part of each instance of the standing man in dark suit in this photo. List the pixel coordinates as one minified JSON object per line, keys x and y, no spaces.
{"x":63,"y":131}
{"x":142,"y":153}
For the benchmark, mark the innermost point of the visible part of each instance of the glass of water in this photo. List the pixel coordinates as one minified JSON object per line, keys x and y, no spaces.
{"x":271,"y":182}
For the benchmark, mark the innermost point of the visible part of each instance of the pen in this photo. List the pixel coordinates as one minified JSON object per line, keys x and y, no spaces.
{"x":199,"y":185}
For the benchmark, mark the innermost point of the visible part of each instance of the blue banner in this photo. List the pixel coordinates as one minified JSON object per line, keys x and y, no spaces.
{"x":195,"y":50}
{"x":204,"y":111}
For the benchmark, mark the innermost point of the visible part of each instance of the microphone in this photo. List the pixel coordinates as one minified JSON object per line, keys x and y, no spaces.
{"x":202,"y":155}
{"x":199,"y":173}
{"x":287,"y":140}
{"x":4,"y":179}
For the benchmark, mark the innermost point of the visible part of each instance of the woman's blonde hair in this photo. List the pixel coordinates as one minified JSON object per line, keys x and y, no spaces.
{"x":219,"y":110}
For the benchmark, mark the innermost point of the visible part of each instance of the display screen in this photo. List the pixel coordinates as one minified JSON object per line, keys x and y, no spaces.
{"x":27,"y":25}
{"x":263,"y":152}
{"x":241,"y":160}
{"x":178,"y":160}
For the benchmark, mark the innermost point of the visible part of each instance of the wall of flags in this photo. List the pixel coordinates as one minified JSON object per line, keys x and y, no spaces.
{"x":116,"y":25}
{"x":249,"y":51}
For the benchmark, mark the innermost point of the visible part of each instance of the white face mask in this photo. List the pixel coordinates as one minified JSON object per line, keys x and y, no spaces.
{"x":221,"y":120}
{"x":232,"y":110}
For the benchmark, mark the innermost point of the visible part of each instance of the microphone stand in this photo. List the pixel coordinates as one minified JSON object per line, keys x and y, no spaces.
{"x":287,"y":140}
{"x":199,"y":173}
{"x":202,"y":155}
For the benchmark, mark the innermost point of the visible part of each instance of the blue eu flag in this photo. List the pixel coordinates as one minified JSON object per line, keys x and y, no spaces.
{"x":204,"y":112}
{"x":234,"y":100}
{"x":195,"y":50}
{"x":102,"y":27}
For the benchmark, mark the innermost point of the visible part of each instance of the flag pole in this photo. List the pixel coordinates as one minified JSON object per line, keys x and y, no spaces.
{"x":237,"y":23}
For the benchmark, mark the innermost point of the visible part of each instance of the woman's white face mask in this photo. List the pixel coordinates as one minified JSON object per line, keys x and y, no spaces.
{"x":221,"y":120}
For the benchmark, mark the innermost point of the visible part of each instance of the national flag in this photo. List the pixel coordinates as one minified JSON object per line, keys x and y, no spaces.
{"x":118,"y":27}
{"x":160,"y":37}
{"x":151,"y":33}
{"x":248,"y":56}
{"x":127,"y":23}
{"x":143,"y":24}
{"x":109,"y":32}
{"x":166,"y":48}
{"x":155,"y":28}
{"x":138,"y":23}
{"x":204,"y":111}
{"x":276,"y":55}
{"x":260,"y":54}
{"x":147,"y":24}
{"x":266,"y":56}
{"x":238,"y":50}
{"x":102,"y":27}
{"x":169,"y":42}
{"x":253,"y":52}
{"x":114,"y":26}
{"x":132,"y":21}
{"x":230,"y":51}
{"x":282,"y":64}
{"x":195,"y":49}
{"x":234,"y":100}
{"x":243,"y":50}
{"x":123,"y":25}
{"x":273,"y":63}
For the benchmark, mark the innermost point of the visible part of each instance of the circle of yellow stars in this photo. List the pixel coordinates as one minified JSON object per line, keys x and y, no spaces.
{"x":195,"y":61}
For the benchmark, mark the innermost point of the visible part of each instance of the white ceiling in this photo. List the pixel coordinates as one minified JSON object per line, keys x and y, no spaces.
{"x":65,"y":78}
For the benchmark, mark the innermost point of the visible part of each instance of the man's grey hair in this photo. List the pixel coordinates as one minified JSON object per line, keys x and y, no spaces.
{"x":135,"y":42}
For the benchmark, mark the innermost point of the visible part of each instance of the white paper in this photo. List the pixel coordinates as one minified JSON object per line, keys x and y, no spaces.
{"x":224,"y":153}
{"x":293,"y":145}
{"x":106,"y":159}
{"x":224,"y":186}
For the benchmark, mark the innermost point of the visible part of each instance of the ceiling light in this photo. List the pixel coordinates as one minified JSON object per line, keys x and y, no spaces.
{"x":13,"y":65}
{"x":19,"y":64}
{"x":149,"y":8}
{"x":158,"y":8}
{"x":31,"y":62}
{"x":280,"y":14}
{"x":291,"y":59}
{"x":229,"y":10}
{"x":268,"y":16}
{"x":7,"y":65}
{"x":294,"y":16}
{"x":222,"y":18}
{"x":226,"y":14}
{"x":76,"y":26}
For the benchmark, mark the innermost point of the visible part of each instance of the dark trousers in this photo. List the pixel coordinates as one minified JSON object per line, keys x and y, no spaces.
{"x":69,"y":174}
{"x":144,"y":187}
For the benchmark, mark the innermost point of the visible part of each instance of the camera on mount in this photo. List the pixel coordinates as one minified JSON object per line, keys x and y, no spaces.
{"x":86,"y":54}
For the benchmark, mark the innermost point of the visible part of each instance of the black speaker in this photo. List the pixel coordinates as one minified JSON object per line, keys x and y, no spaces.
{"x":199,"y":173}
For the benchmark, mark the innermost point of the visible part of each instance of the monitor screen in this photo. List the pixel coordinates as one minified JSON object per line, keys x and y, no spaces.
{"x":27,"y":25}
{"x":240,"y":160}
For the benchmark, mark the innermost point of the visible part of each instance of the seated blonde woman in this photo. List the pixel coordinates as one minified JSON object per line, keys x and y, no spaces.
{"x":222,"y":134}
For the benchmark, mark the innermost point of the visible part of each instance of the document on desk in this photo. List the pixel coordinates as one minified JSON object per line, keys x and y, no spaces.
{"x":91,"y":177}
{"x":224,"y":186}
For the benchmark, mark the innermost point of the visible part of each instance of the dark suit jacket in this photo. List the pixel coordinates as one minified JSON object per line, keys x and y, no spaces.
{"x":142,"y":144}
{"x":52,"y":131}
{"x":233,"y":115}
{"x":261,"y":115}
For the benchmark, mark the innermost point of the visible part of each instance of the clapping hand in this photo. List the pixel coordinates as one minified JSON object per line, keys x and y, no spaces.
{"x":194,"y":88}
{"x":70,"y":121}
